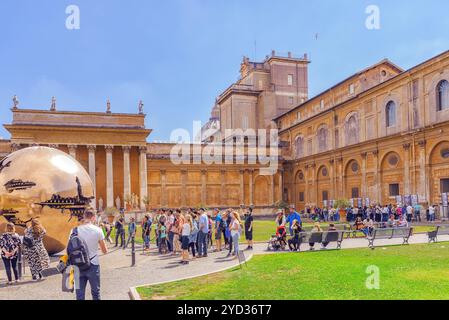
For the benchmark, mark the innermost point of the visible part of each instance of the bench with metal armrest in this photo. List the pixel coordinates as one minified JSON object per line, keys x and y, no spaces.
{"x":389,"y":233}
{"x":439,"y":231}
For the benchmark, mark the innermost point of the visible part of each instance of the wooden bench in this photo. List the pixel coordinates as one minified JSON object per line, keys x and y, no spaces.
{"x":323,"y":237}
{"x":439,"y":231}
{"x":390,"y":233}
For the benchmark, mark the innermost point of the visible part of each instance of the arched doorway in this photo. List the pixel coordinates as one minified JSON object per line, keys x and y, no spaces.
{"x":300,"y":189}
{"x":353,"y":180}
{"x":439,"y":171}
{"x":391,"y":178}
{"x":323,"y":185}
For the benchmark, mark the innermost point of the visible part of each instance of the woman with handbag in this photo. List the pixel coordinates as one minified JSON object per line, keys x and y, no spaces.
{"x":34,"y":250}
{"x":9,"y":246}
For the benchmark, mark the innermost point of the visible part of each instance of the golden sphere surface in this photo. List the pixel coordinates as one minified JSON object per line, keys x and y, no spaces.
{"x":44,"y":183}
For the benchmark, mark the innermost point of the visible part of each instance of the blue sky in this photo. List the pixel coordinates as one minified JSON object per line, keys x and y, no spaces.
{"x":178,"y":55}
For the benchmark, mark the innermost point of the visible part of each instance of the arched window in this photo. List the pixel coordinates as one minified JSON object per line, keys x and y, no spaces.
{"x":299,"y":147}
{"x":322,"y":137}
{"x":390,"y":111}
{"x":443,"y":95}
{"x":352,"y":130}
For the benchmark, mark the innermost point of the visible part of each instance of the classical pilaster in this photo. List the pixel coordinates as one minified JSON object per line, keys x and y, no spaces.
{"x":271,"y":191}
{"x":163,"y":188}
{"x":306,"y":178}
{"x":92,"y":167}
{"x":126,"y":172}
{"x":251,"y":186}
{"x":242,"y":186}
{"x":143,"y":176}
{"x":422,"y":169}
{"x":72,"y":150}
{"x":223,"y":186}
{"x":183,"y":188}
{"x":364,"y":155}
{"x":314,"y":184}
{"x":204,"y":187}
{"x":378,"y":191}
{"x":332,"y":178}
{"x":109,"y":177}
{"x":341,"y":183}
{"x":407,"y":189}
{"x":281,"y":185}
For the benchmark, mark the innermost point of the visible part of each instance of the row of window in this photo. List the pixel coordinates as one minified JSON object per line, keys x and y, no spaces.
{"x":393,"y":190}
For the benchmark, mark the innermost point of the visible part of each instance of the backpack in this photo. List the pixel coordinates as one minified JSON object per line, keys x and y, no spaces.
{"x":78,"y":252}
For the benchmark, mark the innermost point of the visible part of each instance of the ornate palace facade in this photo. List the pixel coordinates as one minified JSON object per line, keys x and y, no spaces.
{"x":379,"y":133}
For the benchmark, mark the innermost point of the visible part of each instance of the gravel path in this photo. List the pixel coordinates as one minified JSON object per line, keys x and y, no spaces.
{"x":118,"y":276}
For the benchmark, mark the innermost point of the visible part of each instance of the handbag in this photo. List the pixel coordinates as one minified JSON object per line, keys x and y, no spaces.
{"x":28,"y":241}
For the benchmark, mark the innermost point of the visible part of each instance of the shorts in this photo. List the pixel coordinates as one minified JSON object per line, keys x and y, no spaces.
{"x":249,"y":235}
{"x":185,"y":243}
{"x":218,"y":233}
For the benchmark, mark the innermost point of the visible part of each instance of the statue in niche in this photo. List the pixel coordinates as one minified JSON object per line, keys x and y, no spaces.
{"x":100,"y":204}
{"x":118,"y":203}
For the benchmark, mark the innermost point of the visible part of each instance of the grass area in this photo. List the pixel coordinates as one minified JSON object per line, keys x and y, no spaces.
{"x":263,"y":230}
{"x":414,"y":272}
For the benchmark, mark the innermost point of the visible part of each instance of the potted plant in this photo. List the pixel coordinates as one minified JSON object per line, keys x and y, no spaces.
{"x":111,"y":213}
{"x":341,"y":205}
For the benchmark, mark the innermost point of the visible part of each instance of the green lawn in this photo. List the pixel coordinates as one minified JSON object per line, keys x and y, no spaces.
{"x":263,"y":230}
{"x":406,"y":272}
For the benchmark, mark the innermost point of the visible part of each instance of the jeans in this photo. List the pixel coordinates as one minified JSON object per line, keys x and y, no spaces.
{"x":170,"y":241}
{"x":120,"y":234}
{"x":11,"y":264}
{"x":146,"y":241}
{"x":235,"y":241}
{"x":93,"y":277}
{"x":202,"y":243}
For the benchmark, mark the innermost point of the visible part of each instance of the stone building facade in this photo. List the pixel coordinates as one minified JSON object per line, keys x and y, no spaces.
{"x":379,"y":133}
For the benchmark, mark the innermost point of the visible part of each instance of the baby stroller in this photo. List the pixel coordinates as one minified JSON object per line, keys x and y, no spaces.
{"x":279,"y":241}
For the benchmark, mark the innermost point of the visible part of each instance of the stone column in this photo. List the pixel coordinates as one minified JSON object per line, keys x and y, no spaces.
{"x":251,"y":186}
{"x":143,"y":176}
{"x":184,"y":188}
{"x":126,"y":173}
{"x":306,"y":178}
{"x":422,"y":169}
{"x":407,"y":190}
{"x":271,"y":191}
{"x":163,"y":188}
{"x":314,"y":184}
{"x":341,"y":183}
{"x":72,"y":150}
{"x":92,"y":168}
{"x":109,"y":177}
{"x":364,"y":183}
{"x":223,"y":186}
{"x":378,"y":191}
{"x":333,"y":190}
{"x":281,"y":184}
{"x":242,"y":186}
{"x":204,"y":187}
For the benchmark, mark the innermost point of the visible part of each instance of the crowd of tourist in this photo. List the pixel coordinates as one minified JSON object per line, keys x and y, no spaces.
{"x":188,"y":233}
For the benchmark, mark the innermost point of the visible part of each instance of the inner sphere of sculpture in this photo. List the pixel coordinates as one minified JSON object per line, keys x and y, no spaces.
{"x":44,"y":183}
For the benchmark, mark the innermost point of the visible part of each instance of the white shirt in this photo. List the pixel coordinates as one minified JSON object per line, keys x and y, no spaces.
{"x":431,"y":210}
{"x":92,"y":235}
{"x":409,"y":210}
{"x":186,"y":229}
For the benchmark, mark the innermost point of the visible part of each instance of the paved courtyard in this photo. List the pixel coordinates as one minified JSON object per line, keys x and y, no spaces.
{"x":118,"y":275}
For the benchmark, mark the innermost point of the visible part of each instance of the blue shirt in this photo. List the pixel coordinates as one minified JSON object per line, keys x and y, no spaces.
{"x":293,"y":216}
{"x":204,"y":223}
